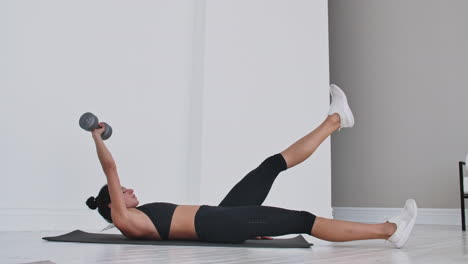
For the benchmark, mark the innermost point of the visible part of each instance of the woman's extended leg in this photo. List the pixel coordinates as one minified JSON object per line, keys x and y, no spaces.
{"x":339,"y":116}
{"x":304,"y":147}
{"x":341,"y":231}
{"x":236,"y":224}
{"x":255,"y":186}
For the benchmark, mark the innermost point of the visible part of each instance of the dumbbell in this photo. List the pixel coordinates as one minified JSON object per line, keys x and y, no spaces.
{"x":89,"y":122}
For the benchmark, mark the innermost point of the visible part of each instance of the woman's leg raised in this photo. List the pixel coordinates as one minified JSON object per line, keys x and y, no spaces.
{"x":255,"y":186}
{"x":304,"y":147}
{"x":261,"y":179}
{"x":339,"y":116}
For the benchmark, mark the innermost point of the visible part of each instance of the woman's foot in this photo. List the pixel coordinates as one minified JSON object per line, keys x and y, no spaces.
{"x":404,"y":222}
{"x":339,"y":105}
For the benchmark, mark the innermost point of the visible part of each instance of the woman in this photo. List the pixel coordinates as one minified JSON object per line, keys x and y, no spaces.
{"x":240,"y":216}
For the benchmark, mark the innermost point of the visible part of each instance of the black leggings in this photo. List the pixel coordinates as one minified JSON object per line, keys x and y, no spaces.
{"x":241,"y":216}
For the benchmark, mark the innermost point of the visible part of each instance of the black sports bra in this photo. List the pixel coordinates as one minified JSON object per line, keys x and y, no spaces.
{"x":161,"y":216}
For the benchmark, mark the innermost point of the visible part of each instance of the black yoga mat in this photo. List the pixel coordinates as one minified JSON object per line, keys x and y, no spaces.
{"x":84,"y":237}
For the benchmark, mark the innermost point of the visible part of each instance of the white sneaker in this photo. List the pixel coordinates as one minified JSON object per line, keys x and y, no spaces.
{"x":405,"y":222}
{"x":339,"y":104}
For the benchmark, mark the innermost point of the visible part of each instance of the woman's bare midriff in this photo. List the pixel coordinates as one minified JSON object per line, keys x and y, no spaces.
{"x":182,"y":224}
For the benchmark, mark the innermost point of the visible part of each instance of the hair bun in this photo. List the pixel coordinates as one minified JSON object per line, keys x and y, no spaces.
{"x":92,"y":203}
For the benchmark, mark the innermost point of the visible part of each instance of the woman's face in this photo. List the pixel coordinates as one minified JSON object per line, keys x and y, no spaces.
{"x":130,"y":199}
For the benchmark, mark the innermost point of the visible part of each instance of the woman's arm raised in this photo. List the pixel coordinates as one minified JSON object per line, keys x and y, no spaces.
{"x":119,"y":211}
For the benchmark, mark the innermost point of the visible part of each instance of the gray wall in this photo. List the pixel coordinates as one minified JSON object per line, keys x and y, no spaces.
{"x":404,"y":66}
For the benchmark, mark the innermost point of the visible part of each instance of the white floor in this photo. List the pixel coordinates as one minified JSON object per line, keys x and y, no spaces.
{"x":428,"y":244}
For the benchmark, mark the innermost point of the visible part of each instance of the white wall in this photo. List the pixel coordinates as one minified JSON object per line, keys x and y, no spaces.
{"x":127,"y":62}
{"x":197,"y":98}
{"x":265,"y":86}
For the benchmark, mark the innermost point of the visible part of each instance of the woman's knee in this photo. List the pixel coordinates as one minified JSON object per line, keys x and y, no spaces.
{"x":275,"y":162}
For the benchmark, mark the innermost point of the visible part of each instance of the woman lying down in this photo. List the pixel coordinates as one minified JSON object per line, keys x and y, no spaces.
{"x":240,"y":215}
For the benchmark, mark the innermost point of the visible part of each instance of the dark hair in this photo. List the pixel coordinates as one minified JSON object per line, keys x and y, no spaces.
{"x":101,"y":202}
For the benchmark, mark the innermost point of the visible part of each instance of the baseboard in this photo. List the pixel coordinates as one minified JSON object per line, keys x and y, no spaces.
{"x":50,"y":220}
{"x":427,"y":216}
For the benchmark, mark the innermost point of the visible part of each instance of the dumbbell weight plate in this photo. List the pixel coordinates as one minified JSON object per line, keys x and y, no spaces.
{"x":107,"y":132}
{"x":88,"y":121}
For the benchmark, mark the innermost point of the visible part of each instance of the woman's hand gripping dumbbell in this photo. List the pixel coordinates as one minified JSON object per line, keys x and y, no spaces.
{"x":90,"y":122}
